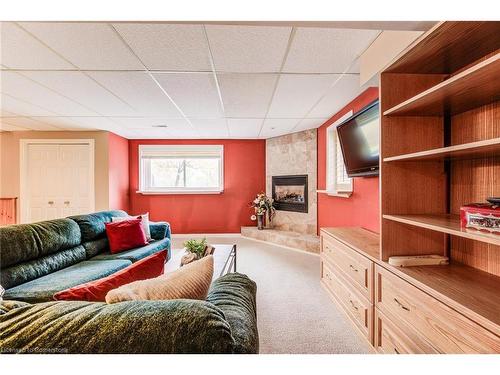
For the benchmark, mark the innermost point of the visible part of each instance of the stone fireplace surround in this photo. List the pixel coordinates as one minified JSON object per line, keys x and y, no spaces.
{"x":292,"y":154}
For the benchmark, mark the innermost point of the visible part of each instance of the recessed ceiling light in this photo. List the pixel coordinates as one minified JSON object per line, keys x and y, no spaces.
{"x":160,"y":126}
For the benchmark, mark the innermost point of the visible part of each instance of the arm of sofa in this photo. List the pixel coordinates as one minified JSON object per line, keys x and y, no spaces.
{"x":176,"y":326}
{"x":159,"y":230}
{"x":235,"y":295}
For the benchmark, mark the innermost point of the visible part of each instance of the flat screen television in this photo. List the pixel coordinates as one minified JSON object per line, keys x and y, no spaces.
{"x":359,"y":141}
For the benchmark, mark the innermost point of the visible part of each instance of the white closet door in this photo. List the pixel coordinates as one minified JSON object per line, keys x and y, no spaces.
{"x":59,"y":181}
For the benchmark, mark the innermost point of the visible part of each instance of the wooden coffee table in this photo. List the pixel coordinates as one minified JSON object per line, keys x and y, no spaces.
{"x":224,"y":260}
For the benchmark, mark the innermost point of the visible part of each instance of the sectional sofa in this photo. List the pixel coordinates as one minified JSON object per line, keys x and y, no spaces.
{"x":40,"y":259}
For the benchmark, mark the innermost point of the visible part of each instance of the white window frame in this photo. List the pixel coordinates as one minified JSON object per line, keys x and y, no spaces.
{"x":333,"y":186}
{"x":179,"y":149}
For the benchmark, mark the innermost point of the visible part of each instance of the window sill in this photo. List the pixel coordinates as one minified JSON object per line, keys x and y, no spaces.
{"x":182,"y":192}
{"x":331,"y":193}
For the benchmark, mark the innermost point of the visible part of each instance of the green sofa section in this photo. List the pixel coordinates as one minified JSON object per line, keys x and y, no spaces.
{"x":40,"y":259}
{"x":37,"y":260}
{"x":175,"y":326}
{"x":43,"y":288}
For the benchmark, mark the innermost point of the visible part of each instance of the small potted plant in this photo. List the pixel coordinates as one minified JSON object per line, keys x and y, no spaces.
{"x":195,"y":249}
{"x":263,"y":205}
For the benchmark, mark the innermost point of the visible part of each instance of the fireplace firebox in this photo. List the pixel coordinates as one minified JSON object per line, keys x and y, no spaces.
{"x":290,"y":193}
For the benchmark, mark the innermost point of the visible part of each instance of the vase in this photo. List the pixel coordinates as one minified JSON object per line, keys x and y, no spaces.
{"x":260,"y":222}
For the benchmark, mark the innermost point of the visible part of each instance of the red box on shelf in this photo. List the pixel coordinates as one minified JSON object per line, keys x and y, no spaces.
{"x":481,"y":216}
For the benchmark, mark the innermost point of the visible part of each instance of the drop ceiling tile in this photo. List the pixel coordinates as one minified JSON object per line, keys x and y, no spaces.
{"x":211,"y":128}
{"x":140,"y":91}
{"x":19,"y":107}
{"x":24,"y":89}
{"x":325,"y":50}
{"x":31,"y":124}
{"x":337,"y":97}
{"x":297,"y":93}
{"x":167,"y":46}
{"x":244,"y":128}
{"x":83,"y":90}
{"x":277,"y":127}
{"x":21,"y":51}
{"x":5,"y":113}
{"x":88,"y":45}
{"x":248,"y":49}
{"x":246,"y":95}
{"x":66,"y":123}
{"x":98,"y":123}
{"x":149,"y":122}
{"x":354,"y":67}
{"x":195,"y":93}
{"x":309,"y":123}
{"x":136,"y":127}
{"x":10,"y":128}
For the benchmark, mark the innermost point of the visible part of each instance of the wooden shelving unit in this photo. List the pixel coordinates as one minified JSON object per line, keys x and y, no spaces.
{"x":472,"y":150}
{"x":445,"y":223}
{"x":468,"y":89}
{"x":440,"y":150}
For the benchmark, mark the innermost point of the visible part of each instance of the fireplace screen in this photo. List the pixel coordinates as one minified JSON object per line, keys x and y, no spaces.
{"x":290,"y":193}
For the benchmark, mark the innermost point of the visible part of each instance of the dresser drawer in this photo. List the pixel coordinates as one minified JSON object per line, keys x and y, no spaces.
{"x":358,"y":308}
{"x":355,"y":266}
{"x":445,"y":329}
{"x":395,"y":338}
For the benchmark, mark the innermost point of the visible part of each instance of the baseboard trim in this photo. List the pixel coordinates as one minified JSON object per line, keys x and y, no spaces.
{"x":279,"y":245}
{"x":201,"y":235}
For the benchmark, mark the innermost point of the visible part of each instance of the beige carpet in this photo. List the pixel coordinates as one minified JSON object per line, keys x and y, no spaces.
{"x":294,"y":313}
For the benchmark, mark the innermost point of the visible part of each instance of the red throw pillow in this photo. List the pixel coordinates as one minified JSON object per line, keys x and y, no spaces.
{"x":95,"y":291}
{"x":125,"y":235}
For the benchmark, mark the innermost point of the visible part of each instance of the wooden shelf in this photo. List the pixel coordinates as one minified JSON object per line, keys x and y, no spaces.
{"x":473,"y":150}
{"x":468,"y":89}
{"x":447,"y":47}
{"x":460,"y":287}
{"x":449,"y":224}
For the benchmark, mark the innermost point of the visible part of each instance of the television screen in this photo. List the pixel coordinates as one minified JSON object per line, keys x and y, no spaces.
{"x":359,"y":141}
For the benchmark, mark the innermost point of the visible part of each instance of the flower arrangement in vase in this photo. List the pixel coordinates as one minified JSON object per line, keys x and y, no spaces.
{"x":263,"y":206}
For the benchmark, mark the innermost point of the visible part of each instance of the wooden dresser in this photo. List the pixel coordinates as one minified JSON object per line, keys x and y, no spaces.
{"x":429,"y":309}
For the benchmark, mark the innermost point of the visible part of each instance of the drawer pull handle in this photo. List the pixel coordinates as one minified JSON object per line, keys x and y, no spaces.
{"x":353,"y":268}
{"x":396,"y":351}
{"x":401,"y":305}
{"x":353,"y":305}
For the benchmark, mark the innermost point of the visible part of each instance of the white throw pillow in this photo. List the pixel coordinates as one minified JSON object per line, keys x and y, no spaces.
{"x":144,"y":222}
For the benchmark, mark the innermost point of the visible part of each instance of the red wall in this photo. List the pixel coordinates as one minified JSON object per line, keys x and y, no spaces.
{"x":244,"y":176}
{"x":118,"y":160}
{"x":362,"y":208}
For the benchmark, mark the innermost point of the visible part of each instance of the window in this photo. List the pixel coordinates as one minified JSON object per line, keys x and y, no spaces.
{"x":337,"y":181}
{"x":181,"y":169}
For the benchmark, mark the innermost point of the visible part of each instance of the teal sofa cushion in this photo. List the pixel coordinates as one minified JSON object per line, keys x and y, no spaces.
{"x":159,"y":230}
{"x":94,"y":247}
{"x":138,"y":253}
{"x":33,"y":269}
{"x":235,"y":295}
{"x":92,"y":225}
{"x":175,"y":326}
{"x":43,"y":288}
{"x":25,"y":242}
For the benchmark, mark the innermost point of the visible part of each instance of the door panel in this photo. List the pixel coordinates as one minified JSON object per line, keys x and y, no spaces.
{"x":59,"y":181}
